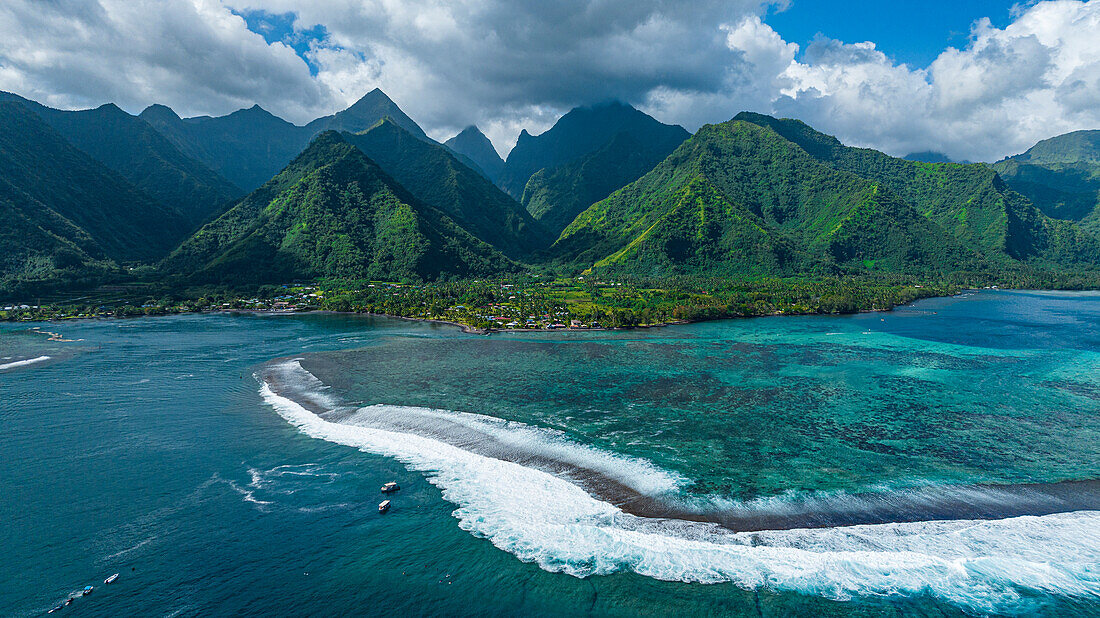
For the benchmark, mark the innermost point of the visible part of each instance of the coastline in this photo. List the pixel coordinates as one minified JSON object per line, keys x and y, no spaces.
{"x":473,"y":330}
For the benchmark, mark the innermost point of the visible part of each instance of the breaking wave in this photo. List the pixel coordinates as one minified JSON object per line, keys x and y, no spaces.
{"x":545,"y":499}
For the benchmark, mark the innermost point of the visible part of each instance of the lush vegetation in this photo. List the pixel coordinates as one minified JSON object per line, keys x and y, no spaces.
{"x":772,"y":197}
{"x":970,"y":202}
{"x":1061,"y":176}
{"x":576,"y":134}
{"x":332,"y":213}
{"x":251,"y":145}
{"x":532,"y":301}
{"x":755,"y":216}
{"x":740,"y":198}
{"x":65,"y":219}
{"x":438,"y":179}
{"x":136,"y":151}
{"x":555,"y":196}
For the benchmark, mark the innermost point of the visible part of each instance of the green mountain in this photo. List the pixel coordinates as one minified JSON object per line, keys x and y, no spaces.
{"x":1061,"y":176}
{"x":248,"y":146}
{"x":364,"y":114}
{"x":136,"y":151}
{"x":332,"y":213}
{"x":555,"y":196}
{"x":577,"y":134}
{"x":65,"y":217}
{"x":472,"y":144}
{"x":251,"y":145}
{"x":436,"y":177}
{"x":971,"y":202}
{"x":738,"y":198}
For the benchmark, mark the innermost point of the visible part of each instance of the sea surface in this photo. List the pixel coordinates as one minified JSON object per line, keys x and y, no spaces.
{"x":939,"y":460}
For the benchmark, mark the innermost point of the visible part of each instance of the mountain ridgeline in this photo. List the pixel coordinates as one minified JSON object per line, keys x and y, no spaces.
{"x":136,"y":151}
{"x":1061,"y":176}
{"x":332,"y":213}
{"x":587,"y":154}
{"x":761,"y":195}
{"x":86,"y":196}
{"x":472,"y":144}
{"x":437,"y":178}
{"x":251,"y":145}
{"x":66,"y":220}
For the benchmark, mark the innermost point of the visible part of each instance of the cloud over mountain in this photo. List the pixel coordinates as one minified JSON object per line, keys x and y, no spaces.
{"x":507,"y":65}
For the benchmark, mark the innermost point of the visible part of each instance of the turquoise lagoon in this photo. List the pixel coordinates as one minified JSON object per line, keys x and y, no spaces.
{"x":941,"y":459}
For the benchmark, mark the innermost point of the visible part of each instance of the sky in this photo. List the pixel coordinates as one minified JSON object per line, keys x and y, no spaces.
{"x":974,"y":79}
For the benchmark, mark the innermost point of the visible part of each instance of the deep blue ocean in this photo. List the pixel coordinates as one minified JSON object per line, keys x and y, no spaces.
{"x":938,"y":460}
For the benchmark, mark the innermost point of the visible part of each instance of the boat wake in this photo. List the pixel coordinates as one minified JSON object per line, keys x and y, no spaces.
{"x":23,"y":363}
{"x":582,"y":511}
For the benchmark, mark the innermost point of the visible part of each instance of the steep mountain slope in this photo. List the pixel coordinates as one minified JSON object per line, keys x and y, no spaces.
{"x":1060,"y":175}
{"x":251,"y":145}
{"x":438,"y":179}
{"x":472,"y":144}
{"x":332,"y":213}
{"x":364,"y":114}
{"x":65,"y":216}
{"x":971,"y":202}
{"x":555,"y":196}
{"x":737,"y":198}
{"x":136,"y":151}
{"x":247,"y":147}
{"x":577,"y":134}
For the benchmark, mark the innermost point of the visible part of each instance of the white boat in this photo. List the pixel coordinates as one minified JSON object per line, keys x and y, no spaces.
{"x":383,"y":506}
{"x":111,"y":579}
{"x":390,"y":487}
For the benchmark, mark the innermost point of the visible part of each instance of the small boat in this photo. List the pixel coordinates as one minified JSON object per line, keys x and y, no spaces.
{"x":111,"y":579}
{"x":383,"y":506}
{"x":87,"y":590}
{"x":68,"y":601}
{"x":390,"y":487}
{"x":56,"y":607}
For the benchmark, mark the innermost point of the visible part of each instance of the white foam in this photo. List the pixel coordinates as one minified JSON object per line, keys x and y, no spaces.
{"x":981,"y":565}
{"x":23,"y":363}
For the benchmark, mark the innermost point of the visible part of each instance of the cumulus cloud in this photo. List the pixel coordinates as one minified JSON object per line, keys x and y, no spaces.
{"x":513,"y":64}
{"x":196,"y":56}
{"x":1007,"y":89}
{"x":517,"y":63}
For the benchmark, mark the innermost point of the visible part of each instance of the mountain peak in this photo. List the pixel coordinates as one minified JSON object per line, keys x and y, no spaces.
{"x":580,"y":132}
{"x":110,"y":108}
{"x":255,"y":111}
{"x":365,"y":113}
{"x":324,"y":141}
{"x":157,"y":111}
{"x":472,"y":144}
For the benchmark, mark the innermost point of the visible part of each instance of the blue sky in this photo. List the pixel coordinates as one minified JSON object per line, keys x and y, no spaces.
{"x":1031,"y":72}
{"x":909,"y":31}
{"x":279,"y":27}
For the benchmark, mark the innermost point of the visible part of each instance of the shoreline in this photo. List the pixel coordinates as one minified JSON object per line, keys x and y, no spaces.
{"x":473,"y":330}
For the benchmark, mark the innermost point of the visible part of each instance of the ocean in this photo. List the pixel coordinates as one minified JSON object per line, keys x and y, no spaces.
{"x":940,"y":459}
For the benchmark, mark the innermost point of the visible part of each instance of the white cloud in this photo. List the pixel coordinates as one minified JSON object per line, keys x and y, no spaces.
{"x":1007,"y":89}
{"x":195,"y":56}
{"x":512,"y":64}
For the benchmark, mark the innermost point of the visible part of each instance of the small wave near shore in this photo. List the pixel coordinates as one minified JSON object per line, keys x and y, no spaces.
{"x":583,"y":511}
